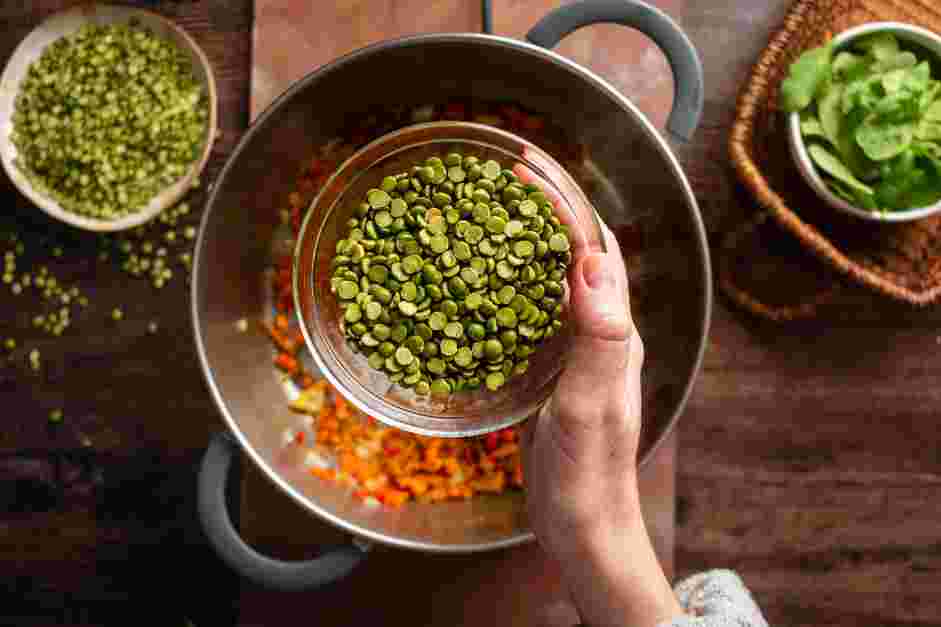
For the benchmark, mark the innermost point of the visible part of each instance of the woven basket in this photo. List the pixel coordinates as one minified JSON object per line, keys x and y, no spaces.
{"x":901,"y":261}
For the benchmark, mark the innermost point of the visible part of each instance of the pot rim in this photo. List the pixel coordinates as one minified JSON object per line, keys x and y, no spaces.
{"x":337,"y":64}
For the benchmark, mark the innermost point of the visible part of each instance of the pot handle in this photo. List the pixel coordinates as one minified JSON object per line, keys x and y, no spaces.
{"x":669,"y":37}
{"x":334,"y":564}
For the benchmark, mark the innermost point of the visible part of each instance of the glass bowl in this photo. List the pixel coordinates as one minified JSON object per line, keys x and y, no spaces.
{"x":463,"y":413}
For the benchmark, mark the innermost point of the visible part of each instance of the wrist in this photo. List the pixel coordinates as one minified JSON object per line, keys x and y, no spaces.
{"x":620,"y":580}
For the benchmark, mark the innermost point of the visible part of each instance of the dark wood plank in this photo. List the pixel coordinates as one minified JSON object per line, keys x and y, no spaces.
{"x":809,"y":455}
{"x":98,"y":518}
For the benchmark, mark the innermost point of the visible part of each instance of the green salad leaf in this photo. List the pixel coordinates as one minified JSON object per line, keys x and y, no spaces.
{"x":878,"y":45}
{"x":884,"y":141}
{"x":843,"y":191}
{"x":873,"y":111}
{"x":811,"y":126}
{"x":848,"y":66}
{"x":840,"y":130}
{"x":929,"y":152}
{"x":828,"y":108}
{"x":807,"y":74}
{"x":863,"y":93}
{"x":912,"y":80}
{"x":929,"y":127}
{"x":898,"y":61}
{"x":931,"y":94}
{"x":831,"y":164}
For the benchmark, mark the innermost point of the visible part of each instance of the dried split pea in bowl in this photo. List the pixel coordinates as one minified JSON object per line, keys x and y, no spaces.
{"x":107,"y":116}
{"x":429,"y":280}
{"x":451,"y":275}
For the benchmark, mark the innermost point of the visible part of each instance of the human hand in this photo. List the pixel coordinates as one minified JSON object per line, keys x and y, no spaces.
{"x":580,"y":455}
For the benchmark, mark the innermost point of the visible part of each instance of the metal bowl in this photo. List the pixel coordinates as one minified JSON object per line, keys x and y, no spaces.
{"x":628,"y":172}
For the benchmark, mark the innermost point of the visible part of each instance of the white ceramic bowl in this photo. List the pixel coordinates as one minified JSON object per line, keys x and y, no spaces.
{"x":905,"y":32}
{"x":66,"y":23}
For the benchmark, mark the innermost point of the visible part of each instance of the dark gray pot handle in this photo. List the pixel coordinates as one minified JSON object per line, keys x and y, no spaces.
{"x":679,"y":50}
{"x":334,"y":564}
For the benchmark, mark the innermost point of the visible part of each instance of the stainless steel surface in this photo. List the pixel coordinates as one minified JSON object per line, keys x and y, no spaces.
{"x":629,"y":173}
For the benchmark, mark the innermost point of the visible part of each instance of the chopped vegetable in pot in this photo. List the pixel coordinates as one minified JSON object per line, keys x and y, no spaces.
{"x":384,"y":463}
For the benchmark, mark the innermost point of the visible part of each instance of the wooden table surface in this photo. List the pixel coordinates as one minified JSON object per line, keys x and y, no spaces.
{"x":808,"y":461}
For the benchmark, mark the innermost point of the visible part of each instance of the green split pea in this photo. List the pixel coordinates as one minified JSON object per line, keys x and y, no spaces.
{"x":108,"y":117}
{"x":451,"y":274}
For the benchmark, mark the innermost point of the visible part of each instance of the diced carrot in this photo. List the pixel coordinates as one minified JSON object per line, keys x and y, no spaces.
{"x":438,"y":494}
{"x":491,"y":441}
{"x":505,"y":451}
{"x":286,"y":362}
{"x":451,"y":466}
{"x":533,"y":122}
{"x":417,"y":485}
{"x":460,"y":492}
{"x":394,"y":498}
{"x":342,"y":408}
{"x":324,"y":473}
{"x":284,"y":343}
{"x":492,"y":482}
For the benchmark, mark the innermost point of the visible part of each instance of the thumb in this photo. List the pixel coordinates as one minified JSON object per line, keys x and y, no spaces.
{"x":602,"y":326}
{"x":601,"y":365}
{"x":593,"y":408}
{"x":599,"y":299}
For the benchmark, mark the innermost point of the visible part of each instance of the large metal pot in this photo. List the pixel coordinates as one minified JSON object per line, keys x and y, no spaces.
{"x":635,"y":179}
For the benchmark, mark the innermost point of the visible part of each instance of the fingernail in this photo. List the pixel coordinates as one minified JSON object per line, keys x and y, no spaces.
{"x":597,"y":272}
